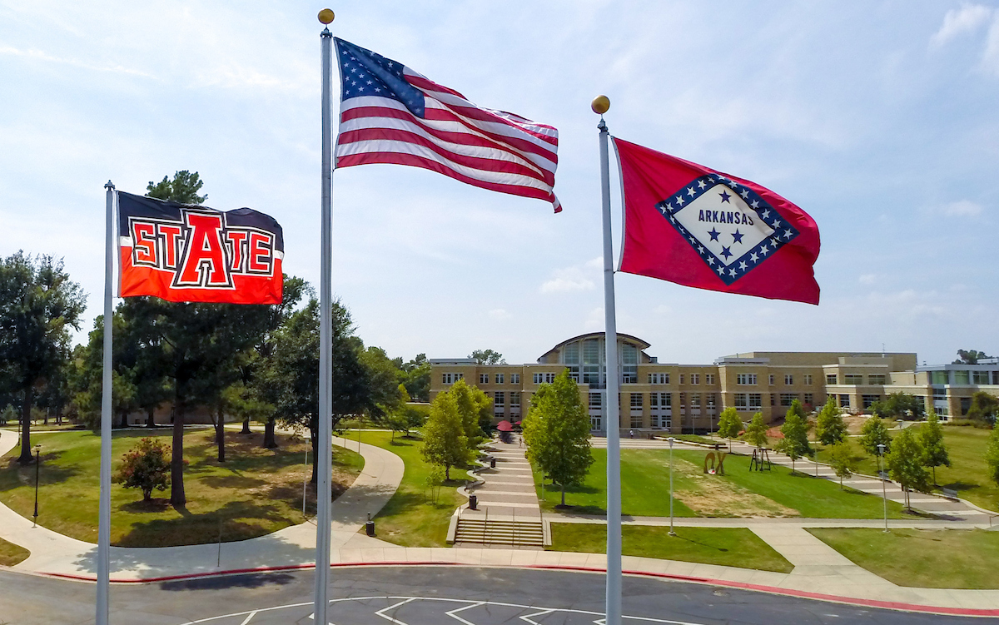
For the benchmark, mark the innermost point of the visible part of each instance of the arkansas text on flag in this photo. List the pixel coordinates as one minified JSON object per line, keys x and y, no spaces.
{"x":695,"y":226}
{"x":391,"y":114}
{"x":185,"y":253}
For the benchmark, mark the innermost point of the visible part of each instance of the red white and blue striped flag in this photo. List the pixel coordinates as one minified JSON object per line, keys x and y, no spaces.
{"x":391,"y":114}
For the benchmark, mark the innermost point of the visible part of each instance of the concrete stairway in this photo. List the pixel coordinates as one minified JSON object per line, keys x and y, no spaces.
{"x":500,"y":532}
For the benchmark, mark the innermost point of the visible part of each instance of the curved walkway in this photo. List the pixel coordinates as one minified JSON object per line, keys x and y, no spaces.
{"x":54,"y":553}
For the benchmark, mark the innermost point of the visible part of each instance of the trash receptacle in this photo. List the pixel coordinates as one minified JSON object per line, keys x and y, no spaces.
{"x":473,"y":501}
{"x":493,"y":463}
{"x":370,"y":526}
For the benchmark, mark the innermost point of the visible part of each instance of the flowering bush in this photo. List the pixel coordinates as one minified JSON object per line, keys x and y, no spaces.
{"x":147,"y":467}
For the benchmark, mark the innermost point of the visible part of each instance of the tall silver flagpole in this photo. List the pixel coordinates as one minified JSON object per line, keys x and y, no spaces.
{"x":613,"y":599}
{"x":324,"y":445}
{"x":104,"y":508}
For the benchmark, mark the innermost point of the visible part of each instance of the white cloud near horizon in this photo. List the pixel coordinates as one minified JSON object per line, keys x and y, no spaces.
{"x":957,"y":22}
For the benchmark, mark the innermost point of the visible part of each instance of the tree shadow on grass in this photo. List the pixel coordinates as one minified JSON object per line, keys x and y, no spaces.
{"x":155,"y":505}
{"x":700,"y":543}
{"x":232,"y":482}
{"x":14,"y":475}
{"x":238,"y":520}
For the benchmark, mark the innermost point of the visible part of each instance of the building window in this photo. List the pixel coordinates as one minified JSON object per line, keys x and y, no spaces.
{"x":746,"y":379}
{"x":770,"y":379}
{"x":499,"y":379}
{"x":595,"y":422}
{"x":788,"y":379}
{"x":788,"y":398}
{"x":682,"y":379}
{"x":939,"y":378}
{"x":869,"y":399}
{"x":773,"y":399}
{"x":961,"y":377}
{"x":740,"y":401}
{"x":964,"y":405}
{"x":845,"y":401}
{"x":709,"y":379}
{"x":498,"y":399}
{"x":664,"y":422}
{"x":665,"y":400}
{"x":484,"y":379}
{"x":515,"y":379}
{"x":853,"y":379}
{"x":654,"y":400}
{"x":571,"y":353}
{"x":694,"y":379}
{"x":550,"y":377}
{"x":807,"y":379}
{"x":451,"y":378}
{"x":635,"y":401}
{"x":659,"y":379}
{"x":515,"y":399}
{"x":574,"y":372}
{"x":695,"y":400}
{"x":630,"y":363}
{"x":754,"y":401}
{"x":809,"y":399}
{"x":635,"y":421}
{"x":831,"y":379}
{"x":594,"y":401}
{"x":710,"y":400}
{"x":876,"y":379}
{"x":980,"y":378}
{"x":536,"y":378}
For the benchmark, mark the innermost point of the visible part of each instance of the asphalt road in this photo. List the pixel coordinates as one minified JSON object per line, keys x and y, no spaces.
{"x":425,"y":595}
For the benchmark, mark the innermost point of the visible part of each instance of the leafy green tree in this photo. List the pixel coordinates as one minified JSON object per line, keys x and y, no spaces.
{"x":38,"y":305}
{"x":183,"y":188}
{"x":557,"y":432}
{"x":830,"y":426}
{"x":476,"y":410}
{"x":730,"y":425}
{"x":445,"y":443}
{"x":396,"y":418}
{"x":798,"y":409}
{"x":145,"y":467}
{"x":993,"y":456}
{"x":842,"y":461}
{"x":796,"y":441}
{"x":487,"y":357}
{"x":417,"y":378}
{"x":899,"y":405}
{"x":756,"y":434}
{"x":969,"y":357}
{"x":874,"y":432}
{"x":983,"y":407}
{"x":932,"y":441}
{"x":9,"y":414}
{"x":905,"y":463}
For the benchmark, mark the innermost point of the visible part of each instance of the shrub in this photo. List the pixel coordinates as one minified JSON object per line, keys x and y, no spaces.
{"x":146,"y":467}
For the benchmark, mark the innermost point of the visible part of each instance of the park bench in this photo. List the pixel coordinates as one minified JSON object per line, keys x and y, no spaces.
{"x":951,"y":494}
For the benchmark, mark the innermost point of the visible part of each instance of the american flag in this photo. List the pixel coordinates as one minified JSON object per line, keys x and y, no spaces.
{"x":391,"y":114}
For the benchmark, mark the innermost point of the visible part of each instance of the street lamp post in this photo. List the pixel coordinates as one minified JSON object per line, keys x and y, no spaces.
{"x":672,"y":533}
{"x":38,"y":447}
{"x":885,"y":505}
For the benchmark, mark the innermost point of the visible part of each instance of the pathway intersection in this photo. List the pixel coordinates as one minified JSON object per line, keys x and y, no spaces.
{"x":819,"y":572}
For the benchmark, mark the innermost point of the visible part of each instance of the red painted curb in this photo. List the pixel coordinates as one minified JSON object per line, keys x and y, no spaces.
{"x":883,"y":604}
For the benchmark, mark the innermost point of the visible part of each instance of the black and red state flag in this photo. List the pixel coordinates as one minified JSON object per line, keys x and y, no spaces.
{"x":189,"y":253}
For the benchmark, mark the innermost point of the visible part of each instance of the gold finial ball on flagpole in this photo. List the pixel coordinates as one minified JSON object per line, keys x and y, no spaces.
{"x":600,"y":105}
{"x":325,"y":16}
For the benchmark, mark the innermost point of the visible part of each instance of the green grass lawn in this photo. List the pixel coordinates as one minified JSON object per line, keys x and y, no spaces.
{"x":415,"y":515}
{"x":734,"y":547}
{"x":967,"y":475}
{"x":941,"y":559}
{"x":11,"y":554}
{"x":740,"y":493}
{"x":254,"y":493}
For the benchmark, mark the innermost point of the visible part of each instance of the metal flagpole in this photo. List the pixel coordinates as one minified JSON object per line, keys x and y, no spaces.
{"x":613,"y":599}
{"x":104,"y":507}
{"x":324,"y":451}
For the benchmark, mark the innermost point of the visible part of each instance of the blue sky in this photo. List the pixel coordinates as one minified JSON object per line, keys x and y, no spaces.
{"x":880,"y":119}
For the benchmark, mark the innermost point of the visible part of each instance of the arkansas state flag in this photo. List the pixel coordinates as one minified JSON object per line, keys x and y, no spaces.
{"x":701,"y":228}
{"x":186,"y":253}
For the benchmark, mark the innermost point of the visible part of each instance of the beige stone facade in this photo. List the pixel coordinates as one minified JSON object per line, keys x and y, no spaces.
{"x":659,"y":397}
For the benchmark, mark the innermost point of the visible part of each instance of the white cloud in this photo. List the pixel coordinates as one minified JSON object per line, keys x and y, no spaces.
{"x":574,"y":278}
{"x":957,"y":22}
{"x":499,"y":314}
{"x":962,"y":208}
{"x":867,"y":279}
